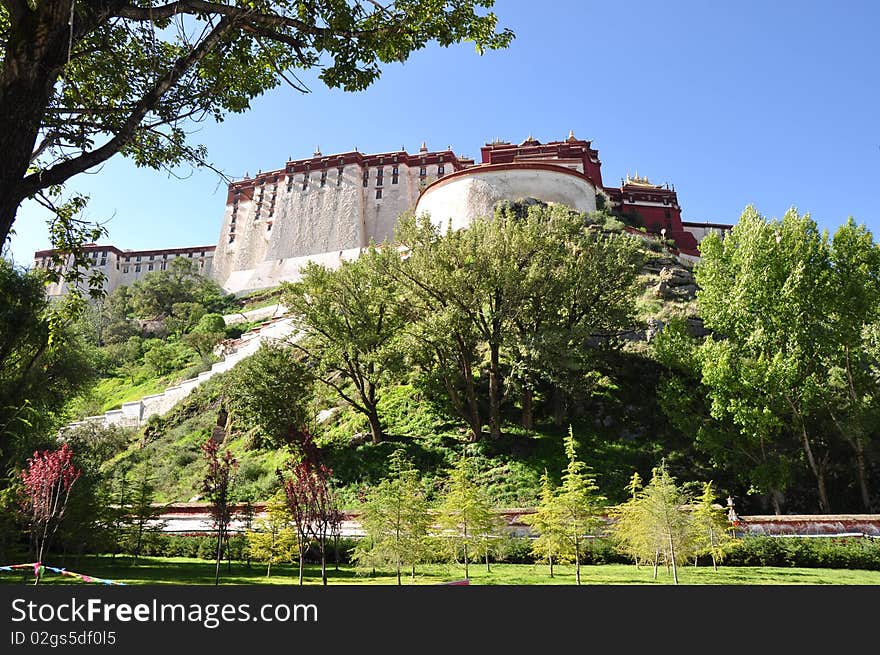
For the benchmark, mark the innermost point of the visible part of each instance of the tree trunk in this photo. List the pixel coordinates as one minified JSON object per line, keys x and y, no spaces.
{"x":774,"y":500}
{"x":863,"y":475}
{"x":466,"y":570}
{"x":323,"y":563}
{"x":494,"y":391}
{"x":375,"y":425}
{"x":528,"y":421}
{"x":473,"y":414}
{"x":219,"y":557}
{"x":672,"y":557}
{"x":302,"y":558}
{"x":817,"y":468}
{"x":558,"y":407}
{"x":550,"y":558}
{"x":577,"y":561}
{"x":36,"y":51}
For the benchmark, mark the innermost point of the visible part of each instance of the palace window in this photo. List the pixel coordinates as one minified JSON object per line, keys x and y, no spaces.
{"x":231,"y":238}
{"x":324,"y":178}
{"x":164,"y":266}
{"x":379,"y":174}
{"x":423,"y":171}
{"x":150,"y":267}
{"x":268,"y":227}
{"x":366,"y":177}
{"x":440,"y":170}
{"x":137,"y":268}
{"x":305,"y":180}
{"x":125,"y":269}
{"x":378,"y":194}
{"x":339,"y":176}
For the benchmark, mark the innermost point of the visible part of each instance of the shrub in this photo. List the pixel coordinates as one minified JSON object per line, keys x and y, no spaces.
{"x":807,"y":552}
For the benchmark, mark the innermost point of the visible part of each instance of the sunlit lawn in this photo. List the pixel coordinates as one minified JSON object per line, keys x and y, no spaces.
{"x":181,"y":570}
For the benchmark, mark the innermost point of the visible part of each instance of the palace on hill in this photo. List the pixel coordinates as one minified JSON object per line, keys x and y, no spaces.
{"x":327,"y":208}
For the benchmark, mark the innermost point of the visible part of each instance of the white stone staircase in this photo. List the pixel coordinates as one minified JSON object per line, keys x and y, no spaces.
{"x":135,"y":413}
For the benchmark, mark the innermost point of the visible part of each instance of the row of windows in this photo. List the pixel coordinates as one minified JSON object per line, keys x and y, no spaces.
{"x":162,"y":267}
{"x":164,"y":257}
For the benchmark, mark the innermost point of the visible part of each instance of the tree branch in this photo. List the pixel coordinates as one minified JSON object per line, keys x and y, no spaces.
{"x":203,"y":7}
{"x":61,"y":172}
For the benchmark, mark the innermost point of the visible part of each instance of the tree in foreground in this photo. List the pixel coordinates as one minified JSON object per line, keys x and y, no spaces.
{"x":274,"y":539}
{"x":142,"y":515}
{"x":567,"y":516}
{"x":48,"y":479}
{"x":577,"y":506}
{"x":549,"y":541}
{"x":311,"y":502}
{"x":82,"y":81}
{"x":215,"y":489}
{"x":654,"y":525}
{"x":711,"y":528}
{"x":468,"y":524}
{"x":395,"y":519}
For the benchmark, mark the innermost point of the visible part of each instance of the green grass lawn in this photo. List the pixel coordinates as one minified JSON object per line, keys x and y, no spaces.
{"x":179,"y":570}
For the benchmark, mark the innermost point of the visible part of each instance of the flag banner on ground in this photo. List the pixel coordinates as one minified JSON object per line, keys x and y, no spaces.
{"x":39,"y":570}
{"x":409,"y":619}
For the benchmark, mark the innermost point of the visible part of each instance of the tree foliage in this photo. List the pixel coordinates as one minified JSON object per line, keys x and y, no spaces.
{"x":273,"y":539}
{"x":48,"y":480}
{"x":468,"y":526}
{"x":350,"y":320}
{"x":654,"y":525}
{"x":528,"y":287}
{"x":272,"y":391}
{"x":567,"y":515}
{"x":789,"y":308}
{"x":395,"y":520}
{"x":216,"y":486}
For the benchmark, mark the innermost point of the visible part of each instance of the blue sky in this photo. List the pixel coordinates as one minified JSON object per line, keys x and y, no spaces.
{"x":773,"y":104}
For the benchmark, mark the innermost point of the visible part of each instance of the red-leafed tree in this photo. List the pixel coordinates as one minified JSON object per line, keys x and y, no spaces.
{"x":215,"y":488}
{"x":48,"y":478}
{"x":311,"y":502}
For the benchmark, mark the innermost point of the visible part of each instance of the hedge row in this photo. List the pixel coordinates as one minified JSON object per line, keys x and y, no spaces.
{"x":805,"y":552}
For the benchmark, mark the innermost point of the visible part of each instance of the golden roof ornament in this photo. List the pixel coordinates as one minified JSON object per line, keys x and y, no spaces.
{"x":424,"y":147}
{"x":317,"y":151}
{"x":571,"y":135}
{"x":640,"y":181}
